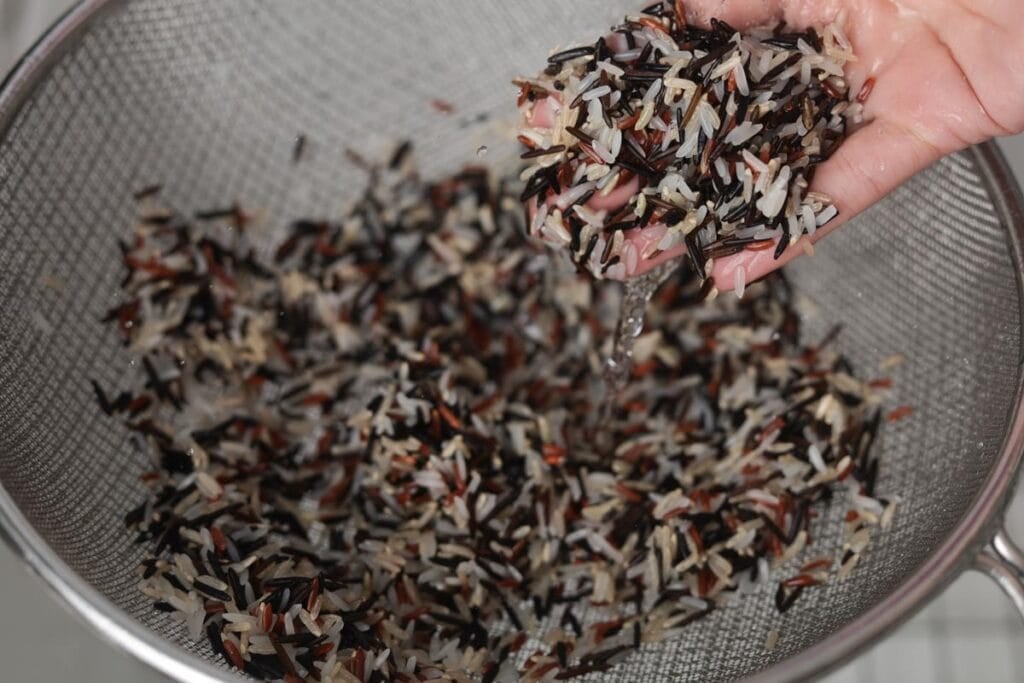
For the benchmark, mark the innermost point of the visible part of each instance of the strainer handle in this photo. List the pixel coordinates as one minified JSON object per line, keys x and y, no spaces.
{"x":1002,"y":560}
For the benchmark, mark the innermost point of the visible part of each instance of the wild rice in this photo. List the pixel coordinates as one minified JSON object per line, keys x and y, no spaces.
{"x":374,"y":447}
{"x":696,"y":103}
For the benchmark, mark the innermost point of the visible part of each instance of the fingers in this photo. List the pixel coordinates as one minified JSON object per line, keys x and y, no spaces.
{"x":873,"y":161}
{"x":754,"y":264}
{"x":640,"y":244}
{"x":740,"y":14}
{"x":544,"y":112}
{"x":617,"y":198}
{"x":638,"y":255}
{"x":869,"y":165}
{"x":976,"y":34}
{"x":745,"y":14}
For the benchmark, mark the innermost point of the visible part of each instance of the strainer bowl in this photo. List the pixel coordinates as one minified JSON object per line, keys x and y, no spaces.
{"x":207,"y":98}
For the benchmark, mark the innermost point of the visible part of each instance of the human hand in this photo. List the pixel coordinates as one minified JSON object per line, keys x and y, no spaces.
{"x":946,"y":74}
{"x":935,"y":76}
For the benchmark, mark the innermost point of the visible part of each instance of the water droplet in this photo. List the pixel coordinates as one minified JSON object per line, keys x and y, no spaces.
{"x":132,"y":362}
{"x":181,"y":363}
{"x":481,"y":151}
{"x":191,"y":452}
{"x":129,"y":324}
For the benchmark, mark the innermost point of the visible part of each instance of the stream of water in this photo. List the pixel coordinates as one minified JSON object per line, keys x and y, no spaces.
{"x":635,"y":296}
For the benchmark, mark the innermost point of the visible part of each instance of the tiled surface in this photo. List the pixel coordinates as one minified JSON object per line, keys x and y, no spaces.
{"x":969,"y":634}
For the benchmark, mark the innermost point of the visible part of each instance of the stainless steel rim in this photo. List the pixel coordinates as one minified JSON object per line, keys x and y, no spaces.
{"x":69,"y":588}
{"x":956,"y":553}
{"x":978,"y":525}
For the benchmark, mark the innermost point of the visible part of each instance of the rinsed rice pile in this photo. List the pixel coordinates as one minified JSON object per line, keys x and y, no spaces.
{"x":703,"y":140}
{"x":372,"y":454}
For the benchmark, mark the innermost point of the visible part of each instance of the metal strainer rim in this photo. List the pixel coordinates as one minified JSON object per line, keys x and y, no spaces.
{"x":945,"y":562}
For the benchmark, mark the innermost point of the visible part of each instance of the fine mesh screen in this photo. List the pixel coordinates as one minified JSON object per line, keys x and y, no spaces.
{"x":206,"y":98}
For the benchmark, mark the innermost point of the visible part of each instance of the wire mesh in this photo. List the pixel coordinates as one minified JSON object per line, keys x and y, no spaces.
{"x":207,"y":98}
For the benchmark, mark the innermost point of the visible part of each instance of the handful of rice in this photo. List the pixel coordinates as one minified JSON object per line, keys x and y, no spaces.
{"x":661,"y":140}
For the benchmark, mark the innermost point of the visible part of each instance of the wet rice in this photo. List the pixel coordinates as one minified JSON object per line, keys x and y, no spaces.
{"x":365,"y":466}
{"x":718,"y":109}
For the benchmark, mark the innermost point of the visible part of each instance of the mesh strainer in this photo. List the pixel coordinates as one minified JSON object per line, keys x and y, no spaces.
{"x":207,"y":98}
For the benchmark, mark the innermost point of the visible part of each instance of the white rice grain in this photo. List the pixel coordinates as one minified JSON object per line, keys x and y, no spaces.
{"x":609,"y":68}
{"x":743,"y":132}
{"x":739,"y":281}
{"x":597,"y":92}
{"x":826,"y":215}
